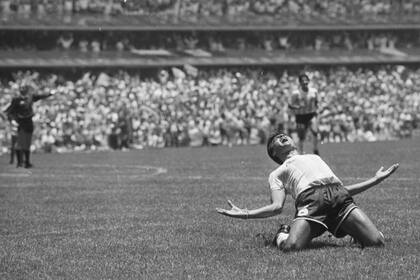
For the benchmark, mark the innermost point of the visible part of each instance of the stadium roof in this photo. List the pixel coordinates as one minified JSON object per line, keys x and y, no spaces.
{"x":108,"y":59}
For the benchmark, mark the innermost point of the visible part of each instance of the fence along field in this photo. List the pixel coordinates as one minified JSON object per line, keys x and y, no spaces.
{"x":150,"y":214}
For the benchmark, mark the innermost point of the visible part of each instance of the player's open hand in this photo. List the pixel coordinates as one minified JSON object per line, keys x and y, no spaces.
{"x":383,"y":174}
{"x":234,"y":212}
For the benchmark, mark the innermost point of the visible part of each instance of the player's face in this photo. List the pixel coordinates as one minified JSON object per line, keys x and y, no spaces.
{"x":304,"y":82}
{"x":284,"y":145}
{"x":27,"y":96}
{"x":284,"y":140}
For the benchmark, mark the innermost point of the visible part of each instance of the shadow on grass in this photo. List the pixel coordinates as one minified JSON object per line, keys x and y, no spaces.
{"x":314,"y":245}
{"x":267,"y":241}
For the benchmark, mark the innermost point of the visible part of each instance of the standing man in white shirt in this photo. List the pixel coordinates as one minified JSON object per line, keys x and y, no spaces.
{"x":322,"y":202}
{"x":304,"y":105}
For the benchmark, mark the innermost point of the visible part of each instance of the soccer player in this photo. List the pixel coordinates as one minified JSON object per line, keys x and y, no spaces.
{"x":322,"y":202}
{"x":21,"y":110}
{"x":304,"y":105}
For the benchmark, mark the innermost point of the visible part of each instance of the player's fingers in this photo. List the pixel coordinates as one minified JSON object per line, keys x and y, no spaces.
{"x":230,"y":203}
{"x":220,"y":210}
{"x":226,"y":212}
{"x":393,"y":168}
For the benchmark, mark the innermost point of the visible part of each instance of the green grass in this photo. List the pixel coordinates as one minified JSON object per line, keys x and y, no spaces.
{"x":151,"y":215}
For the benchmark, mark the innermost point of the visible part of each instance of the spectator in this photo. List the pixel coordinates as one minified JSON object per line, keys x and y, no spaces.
{"x":96,"y":46}
{"x":83,"y":45}
{"x":65,"y":41}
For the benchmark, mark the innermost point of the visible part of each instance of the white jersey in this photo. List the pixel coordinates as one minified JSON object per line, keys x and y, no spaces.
{"x":301,"y":172}
{"x":305,"y":101}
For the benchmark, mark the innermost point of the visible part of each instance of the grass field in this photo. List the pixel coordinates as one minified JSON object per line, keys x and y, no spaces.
{"x":150,"y":214}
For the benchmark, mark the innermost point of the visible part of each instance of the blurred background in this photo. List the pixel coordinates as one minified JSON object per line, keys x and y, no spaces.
{"x":171,"y":73}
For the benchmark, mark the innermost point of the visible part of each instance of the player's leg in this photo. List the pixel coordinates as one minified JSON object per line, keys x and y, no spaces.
{"x":18,"y":148}
{"x":314,"y":131}
{"x":301,"y":233}
{"x":13,"y":140}
{"x":360,"y":227}
{"x":27,"y":154}
{"x":301,"y":132}
{"x":27,"y":141}
{"x":27,"y":150}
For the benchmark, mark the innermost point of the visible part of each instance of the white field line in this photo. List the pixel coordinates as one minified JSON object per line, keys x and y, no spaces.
{"x":66,"y":232}
{"x":129,"y":171}
{"x":170,"y":177}
{"x":114,"y":170}
{"x":23,"y":177}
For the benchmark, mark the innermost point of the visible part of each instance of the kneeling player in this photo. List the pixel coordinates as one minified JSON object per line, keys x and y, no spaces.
{"x":322,"y":202}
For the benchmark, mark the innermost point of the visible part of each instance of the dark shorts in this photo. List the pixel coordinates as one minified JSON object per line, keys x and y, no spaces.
{"x":26,"y":125}
{"x":303,"y":122}
{"x":24,"y":140}
{"x":327,"y":205}
{"x":304,"y":119}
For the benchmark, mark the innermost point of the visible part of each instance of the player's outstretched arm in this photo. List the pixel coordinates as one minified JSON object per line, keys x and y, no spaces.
{"x":43,"y":95}
{"x":277,"y":200}
{"x":294,"y":106}
{"x":234,"y":211}
{"x":380,"y":175}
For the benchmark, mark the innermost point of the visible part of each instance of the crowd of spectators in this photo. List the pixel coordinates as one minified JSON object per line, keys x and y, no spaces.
{"x":305,"y":9}
{"x":188,"y":107}
{"x":235,"y":10}
{"x":213,"y":43}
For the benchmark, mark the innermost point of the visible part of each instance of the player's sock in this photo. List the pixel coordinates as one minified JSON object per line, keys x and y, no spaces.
{"x":383,"y":237}
{"x":281,"y":235}
{"x":12,"y":155}
{"x":27,"y":159}
{"x":19,"y":158}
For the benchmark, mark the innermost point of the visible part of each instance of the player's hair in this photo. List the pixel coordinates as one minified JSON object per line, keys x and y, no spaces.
{"x":24,"y":89}
{"x":278,"y":147}
{"x":301,"y":76}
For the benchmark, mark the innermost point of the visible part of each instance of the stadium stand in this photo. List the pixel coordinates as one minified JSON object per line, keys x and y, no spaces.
{"x":223,"y":106}
{"x":196,"y":72}
{"x":230,"y":32}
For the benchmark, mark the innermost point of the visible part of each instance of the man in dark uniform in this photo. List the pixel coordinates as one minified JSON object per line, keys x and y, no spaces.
{"x":21,"y":110}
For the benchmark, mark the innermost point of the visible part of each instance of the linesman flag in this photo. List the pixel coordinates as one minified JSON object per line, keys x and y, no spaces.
{"x":191,"y":70}
{"x":178,"y":73}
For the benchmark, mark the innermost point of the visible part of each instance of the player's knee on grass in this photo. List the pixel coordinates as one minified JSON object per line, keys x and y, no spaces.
{"x":382,"y":239}
{"x":292,"y":244}
{"x":376,"y":240}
